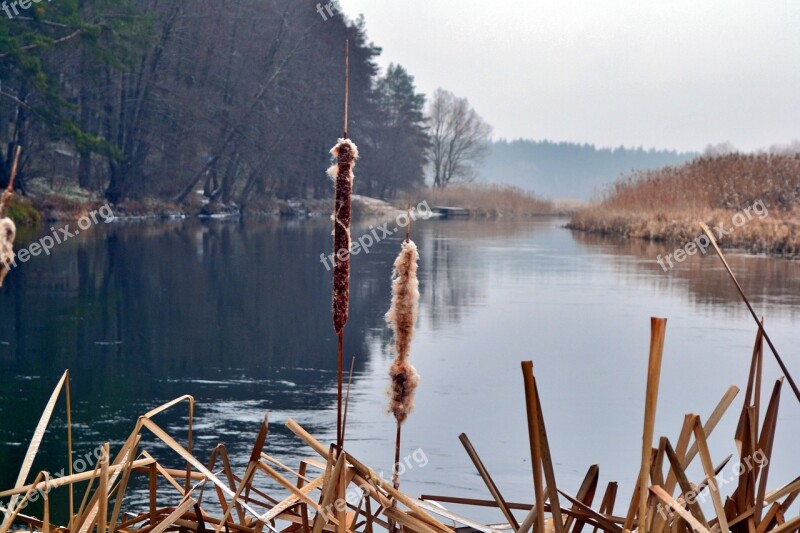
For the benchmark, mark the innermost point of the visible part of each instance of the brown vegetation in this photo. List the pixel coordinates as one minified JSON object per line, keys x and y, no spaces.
{"x":490,"y":200}
{"x":668,"y":204}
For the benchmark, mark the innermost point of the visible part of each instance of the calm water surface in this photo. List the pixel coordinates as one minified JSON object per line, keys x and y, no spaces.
{"x":237,"y":315}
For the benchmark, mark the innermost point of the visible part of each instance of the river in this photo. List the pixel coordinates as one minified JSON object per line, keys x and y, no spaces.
{"x":237,"y":314}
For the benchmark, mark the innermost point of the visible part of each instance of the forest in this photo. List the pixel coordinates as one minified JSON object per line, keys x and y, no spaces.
{"x":240,"y":100}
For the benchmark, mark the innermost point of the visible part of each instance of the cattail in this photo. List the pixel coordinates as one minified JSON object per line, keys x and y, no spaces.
{"x":402,"y":317}
{"x":7,"y":233}
{"x":346,"y":154}
{"x":7,"y":228}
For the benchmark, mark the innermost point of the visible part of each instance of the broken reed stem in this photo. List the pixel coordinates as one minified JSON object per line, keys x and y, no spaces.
{"x":658,"y":328}
{"x":490,"y":484}
{"x":752,"y":312}
{"x":534,"y":436}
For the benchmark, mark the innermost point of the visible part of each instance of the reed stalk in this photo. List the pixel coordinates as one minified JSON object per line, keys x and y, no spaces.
{"x":774,"y":350}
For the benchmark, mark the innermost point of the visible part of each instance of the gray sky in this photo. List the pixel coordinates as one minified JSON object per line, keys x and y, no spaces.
{"x":666,"y":74}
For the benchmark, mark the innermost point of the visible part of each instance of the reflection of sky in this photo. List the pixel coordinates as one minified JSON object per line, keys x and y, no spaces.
{"x":581,"y":313}
{"x":493,"y":294}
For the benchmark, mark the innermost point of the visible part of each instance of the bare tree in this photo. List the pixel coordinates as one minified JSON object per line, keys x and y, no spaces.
{"x":459,"y":139}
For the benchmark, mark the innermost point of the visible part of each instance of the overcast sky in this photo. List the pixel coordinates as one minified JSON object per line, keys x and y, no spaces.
{"x":665,"y":74}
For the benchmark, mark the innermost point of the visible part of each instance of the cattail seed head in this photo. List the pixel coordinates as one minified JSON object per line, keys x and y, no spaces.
{"x":402,"y":318}
{"x":8,"y":232}
{"x":345,"y":152}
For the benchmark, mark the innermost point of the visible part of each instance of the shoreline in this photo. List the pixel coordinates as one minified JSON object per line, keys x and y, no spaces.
{"x":32,"y":213}
{"x":775,"y":234}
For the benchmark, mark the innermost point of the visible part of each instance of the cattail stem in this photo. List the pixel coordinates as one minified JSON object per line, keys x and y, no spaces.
{"x":347,"y":398}
{"x":396,"y":469}
{"x":339,"y":428}
{"x":395,"y":472}
{"x":346,"y":82}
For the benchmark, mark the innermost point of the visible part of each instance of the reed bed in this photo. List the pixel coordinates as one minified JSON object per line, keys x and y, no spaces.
{"x":666,"y":204}
{"x":484,"y":200}
{"x":212,"y":496}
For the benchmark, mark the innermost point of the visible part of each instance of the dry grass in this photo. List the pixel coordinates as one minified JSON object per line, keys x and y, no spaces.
{"x":723,"y":182}
{"x":668,"y":204}
{"x":489,"y":200}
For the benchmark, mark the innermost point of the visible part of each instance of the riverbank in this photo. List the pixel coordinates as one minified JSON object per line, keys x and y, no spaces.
{"x":775,"y":234}
{"x":44,"y":204}
{"x":489,"y":200}
{"x":752,"y":201}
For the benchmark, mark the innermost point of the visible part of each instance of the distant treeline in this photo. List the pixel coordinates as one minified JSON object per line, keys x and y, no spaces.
{"x":241,"y":99}
{"x":569,"y":170}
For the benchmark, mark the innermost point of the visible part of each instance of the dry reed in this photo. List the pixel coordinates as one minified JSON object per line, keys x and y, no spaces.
{"x":489,"y":200}
{"x":665,"y":204}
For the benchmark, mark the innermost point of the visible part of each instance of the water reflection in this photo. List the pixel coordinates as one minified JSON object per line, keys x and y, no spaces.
{"x":768,"y":282}
{"x":238,"y":315}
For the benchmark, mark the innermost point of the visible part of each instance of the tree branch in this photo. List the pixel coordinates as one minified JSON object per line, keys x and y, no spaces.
{"x":57,"y":41}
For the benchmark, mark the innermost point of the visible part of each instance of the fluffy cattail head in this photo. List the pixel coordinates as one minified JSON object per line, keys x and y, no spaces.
{"x":7,"y":233}
{"x":401,"y":392}
{"x":345,"y":152}
{"x":402,"y":317}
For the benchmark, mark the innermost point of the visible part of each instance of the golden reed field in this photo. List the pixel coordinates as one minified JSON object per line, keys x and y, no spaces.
{"x":751,"y":201}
